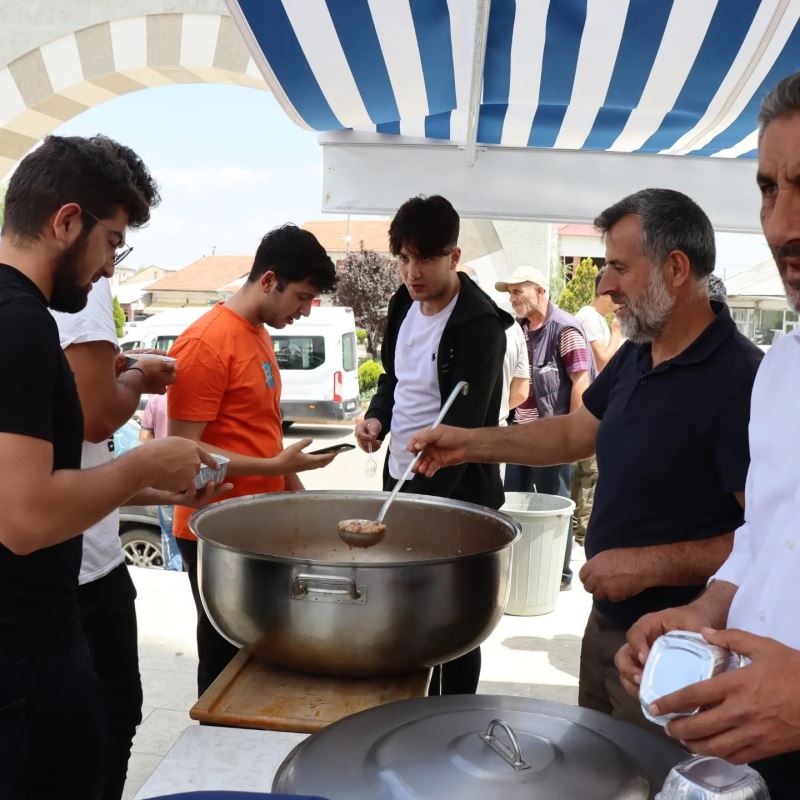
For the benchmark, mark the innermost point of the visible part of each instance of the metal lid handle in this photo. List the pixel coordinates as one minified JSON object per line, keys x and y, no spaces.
{"x":511,"y":755}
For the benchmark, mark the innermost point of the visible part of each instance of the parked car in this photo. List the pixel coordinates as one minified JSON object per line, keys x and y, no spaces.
{"x":139,"y":530}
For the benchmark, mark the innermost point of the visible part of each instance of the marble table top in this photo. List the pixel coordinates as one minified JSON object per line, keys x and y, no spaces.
{"x":205,"y":757}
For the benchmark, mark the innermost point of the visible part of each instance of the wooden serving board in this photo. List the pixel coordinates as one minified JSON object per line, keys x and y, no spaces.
{"x":250,"y":694}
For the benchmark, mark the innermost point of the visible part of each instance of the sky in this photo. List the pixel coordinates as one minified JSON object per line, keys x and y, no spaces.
{"x":231,"y":165}
{"x":229,"y":162}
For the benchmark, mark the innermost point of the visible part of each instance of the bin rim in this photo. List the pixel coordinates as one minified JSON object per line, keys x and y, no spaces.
{"x":555,"y":512}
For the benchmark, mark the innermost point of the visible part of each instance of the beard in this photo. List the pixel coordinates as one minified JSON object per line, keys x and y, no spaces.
{"x":68,"y":294}
{"x":647,"y":319}
{"x":792,"y":289}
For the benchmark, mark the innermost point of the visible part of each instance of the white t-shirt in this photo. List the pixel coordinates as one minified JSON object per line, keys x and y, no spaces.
{"x":101,"y":546}
{"x":417,"y":399}
{"x":515,"y":365}
{"x":595,"y":325}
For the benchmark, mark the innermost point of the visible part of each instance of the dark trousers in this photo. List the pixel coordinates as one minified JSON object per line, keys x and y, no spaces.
{"x":599,"y":687}
{"x":108,"y":619}
{"x":555,"y":480}
{"x":461,"y":675}
{"x":51,"y":737}
{"x":214,"y":651}
{"x":781,"y":775}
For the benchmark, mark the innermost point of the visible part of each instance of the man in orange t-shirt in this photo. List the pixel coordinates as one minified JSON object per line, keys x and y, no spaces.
{"x":229,"y":390}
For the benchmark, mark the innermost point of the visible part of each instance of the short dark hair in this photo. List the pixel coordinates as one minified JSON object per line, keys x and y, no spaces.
{"x":428,"y":225}
{"x":781,"y":101}
{"x":97,"y":173}
{"x":597,"y":279}
{"x":670,"y":221}
{"x":294,"y":255}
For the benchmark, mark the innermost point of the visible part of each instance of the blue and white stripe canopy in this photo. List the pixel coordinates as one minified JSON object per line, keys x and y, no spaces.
{"x":647,"y":78}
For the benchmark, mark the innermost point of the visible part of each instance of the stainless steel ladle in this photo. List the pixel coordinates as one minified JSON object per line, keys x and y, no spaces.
{"x":368,"y":532}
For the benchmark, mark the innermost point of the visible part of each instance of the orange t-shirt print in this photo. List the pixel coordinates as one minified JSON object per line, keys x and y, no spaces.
{"x":228,"y":377}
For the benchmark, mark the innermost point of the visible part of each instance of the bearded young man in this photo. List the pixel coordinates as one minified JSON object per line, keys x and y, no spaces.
{"x":67,"y":209}
{"x":667,"y":418}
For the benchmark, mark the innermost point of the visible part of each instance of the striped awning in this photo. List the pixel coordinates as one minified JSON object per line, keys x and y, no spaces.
{"x":640,"y":77}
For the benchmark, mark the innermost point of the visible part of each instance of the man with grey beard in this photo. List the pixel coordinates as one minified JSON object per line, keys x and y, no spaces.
{"x":667,"y":418}
{"x":753,"y":714}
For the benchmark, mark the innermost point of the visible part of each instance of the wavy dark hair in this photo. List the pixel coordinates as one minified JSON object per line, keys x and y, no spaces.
{"x":427,"y":225}
{"x":97,"y":173}
{"x":294,"y":255}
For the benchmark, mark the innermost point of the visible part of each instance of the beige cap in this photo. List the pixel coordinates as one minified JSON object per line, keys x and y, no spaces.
{"x":522,"y":275}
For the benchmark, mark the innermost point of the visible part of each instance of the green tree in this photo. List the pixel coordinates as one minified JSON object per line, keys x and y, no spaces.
{"x":119,"y":317}
{"x":579,"y":292}
{"x":366,"y":283}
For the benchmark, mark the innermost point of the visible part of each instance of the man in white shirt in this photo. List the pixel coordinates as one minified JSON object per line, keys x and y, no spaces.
{"x":750,"y":606}
{"x":516,"y":373}
{"x":604,"y":340}
{"x":440,"y":329}
{"x":106,"y":592}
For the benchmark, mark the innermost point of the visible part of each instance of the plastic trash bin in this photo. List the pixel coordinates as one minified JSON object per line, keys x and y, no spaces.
{"x":537,"y":558}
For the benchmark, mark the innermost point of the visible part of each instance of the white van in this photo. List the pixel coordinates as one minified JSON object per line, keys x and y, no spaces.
{"x":316,"y":355}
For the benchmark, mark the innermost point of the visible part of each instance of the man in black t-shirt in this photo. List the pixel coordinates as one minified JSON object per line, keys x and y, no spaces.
{"x":667,"y":418}
{"x":67,"y":208}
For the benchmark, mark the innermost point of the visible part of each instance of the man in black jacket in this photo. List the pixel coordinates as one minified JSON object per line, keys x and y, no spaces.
{"x":441,"y":329}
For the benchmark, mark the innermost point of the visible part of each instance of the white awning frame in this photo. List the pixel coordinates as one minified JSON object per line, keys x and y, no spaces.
{"x":366,"y":173}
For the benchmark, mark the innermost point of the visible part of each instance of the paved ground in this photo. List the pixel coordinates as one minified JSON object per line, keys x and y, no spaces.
{"x":528,"y":656}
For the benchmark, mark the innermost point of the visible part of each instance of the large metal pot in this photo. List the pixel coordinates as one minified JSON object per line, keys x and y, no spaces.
{"x":275,"y":577}
{"x":486,"y":747}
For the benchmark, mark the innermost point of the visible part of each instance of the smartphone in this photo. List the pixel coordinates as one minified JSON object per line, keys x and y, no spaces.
{"x":334,"y":448}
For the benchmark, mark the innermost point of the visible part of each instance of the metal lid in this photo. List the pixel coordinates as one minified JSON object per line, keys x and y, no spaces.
{"x":706,"y":778}
{"x":482,"y":746}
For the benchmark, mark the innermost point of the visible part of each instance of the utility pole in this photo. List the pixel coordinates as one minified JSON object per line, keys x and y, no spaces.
{"x":347,"y":238}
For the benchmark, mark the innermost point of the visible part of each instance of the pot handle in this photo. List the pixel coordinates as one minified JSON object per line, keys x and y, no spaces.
{"x":305,"y":583}
{"x":511,"y":755}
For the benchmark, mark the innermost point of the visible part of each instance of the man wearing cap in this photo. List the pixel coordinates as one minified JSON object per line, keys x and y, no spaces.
{"x":562,"y":366}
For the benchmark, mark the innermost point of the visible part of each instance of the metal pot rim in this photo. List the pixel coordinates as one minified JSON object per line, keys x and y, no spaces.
{"x":429,"y":500}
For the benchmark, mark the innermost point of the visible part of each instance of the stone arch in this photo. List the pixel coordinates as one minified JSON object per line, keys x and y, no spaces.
{"x":59,"y":80}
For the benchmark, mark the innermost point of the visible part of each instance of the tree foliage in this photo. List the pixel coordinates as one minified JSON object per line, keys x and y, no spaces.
{"x":579,"y":291}
{"x":366,"y":283}
{"x":119,"y":317}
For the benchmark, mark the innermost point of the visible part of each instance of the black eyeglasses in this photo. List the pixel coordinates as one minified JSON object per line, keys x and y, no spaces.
{"x":121,"y":250}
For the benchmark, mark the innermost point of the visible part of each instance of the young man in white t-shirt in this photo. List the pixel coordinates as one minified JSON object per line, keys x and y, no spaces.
{"x":604,"y":340}
{"x":109,"y":395}
{"x":440,"y":329}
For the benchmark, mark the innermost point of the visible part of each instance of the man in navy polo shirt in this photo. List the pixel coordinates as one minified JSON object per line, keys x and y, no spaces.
{"x":667,"y":418}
